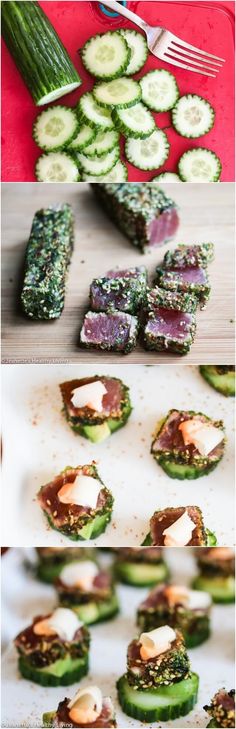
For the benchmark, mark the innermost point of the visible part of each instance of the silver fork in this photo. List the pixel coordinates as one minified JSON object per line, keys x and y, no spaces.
{"x":169,"y":48}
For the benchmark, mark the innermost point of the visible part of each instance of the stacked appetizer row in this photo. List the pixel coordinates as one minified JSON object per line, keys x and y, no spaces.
{"x":158,"y":684}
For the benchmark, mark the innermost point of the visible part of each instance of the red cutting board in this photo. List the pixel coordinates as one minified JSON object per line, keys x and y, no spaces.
{"x":208,"y":25}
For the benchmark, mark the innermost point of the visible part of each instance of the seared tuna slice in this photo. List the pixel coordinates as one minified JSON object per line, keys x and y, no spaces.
{"x":179,"y":607}
{"x":182,"y":256}
{"x":191,"y":279}
{"x":188,"y":444}
{"x":87,"y":420}
{"x":124,"y":290}
{"x":217,"y":573}
{"x":166,"y":668}
{"x":142,"y":211}
{"x":222,"y":709}
{"x":59,"y":500}
{"x":170,"y":326}
{"x":61,"y":717}
{"x":198,"y":535}
{"x":113,"y":331}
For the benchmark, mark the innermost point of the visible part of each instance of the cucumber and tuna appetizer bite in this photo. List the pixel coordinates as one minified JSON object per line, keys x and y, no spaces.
{"x":141,"y":211}
{"x":170,"y":321}
{"x":185,"y":270}
{"x":158,"y":684}
{"x":51,"y":560}
{"x":47,"y":258}
{"x":181,"y":608}
{"x":179,"y":526}
{"x":140,"y":567}
{"x":216,"y":573}
{"x":112,"y":331}
{"x":88,"y":708}
{"x":87,"y":590}
{"x":77,"y":503}
{"x":123,"y":290}
{"x":221,"y":377}
{"x":96,"y":407}
{"x":222,"y":709}
{"x":188,"y":444}
{"x":53,"y":651}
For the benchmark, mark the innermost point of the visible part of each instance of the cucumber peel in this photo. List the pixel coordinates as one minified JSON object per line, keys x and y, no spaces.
{"x":164,"y":703}
{"x":63,"y":672}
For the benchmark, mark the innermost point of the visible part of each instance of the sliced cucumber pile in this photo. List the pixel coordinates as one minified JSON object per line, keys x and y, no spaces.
{"x":98,"y":165}
{"x":106,"y":55}
{"x":192,"y":116}
{"x":137,"y":121}
{"x":120,"y":93}
{"x":85,"y":136}
{"x":103,"y":143}
{"x":93,"y":114}
{"x":166,"y":177}
{"x":56,"y":167}
{"x":150,"y":153}
{"x":138,"y":50}
{"x":159,"y":90}
{"x":55,"y":128}
{"x":118,"y":173}
{"x":199,"y":165}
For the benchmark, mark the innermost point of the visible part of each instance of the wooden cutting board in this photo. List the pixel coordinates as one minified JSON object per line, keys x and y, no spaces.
{"x":207,"y":214}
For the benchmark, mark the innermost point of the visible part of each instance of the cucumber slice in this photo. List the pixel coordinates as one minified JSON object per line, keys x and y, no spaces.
{"x":121,"y":93}
{"x":95,"y":612}
{"x":48,"y":718}
{"x":223,"y":382}
{"x":150,"y":153}
{"x":140,"y":574}
{"x":56,"y":167}
{"x":92,"y":114}
{"x":221,"y":589}
{"x":199,"y":165}
{"x":99,"y":165}
{"x":63,"y":672}
{"x":55,"y":128}
{"x":185,"y":470}
{"x":119,"y":173}
{"x":158,"y":704}
{"x":159,"y":90}
{"x":137,"y":121}
{"x":106,"y":55}
{"x":104,"y":142}
{"x":192,"y":116}
{"x":138,"y":48}
{"x":85,"y":136}
{"x":167,"y":177}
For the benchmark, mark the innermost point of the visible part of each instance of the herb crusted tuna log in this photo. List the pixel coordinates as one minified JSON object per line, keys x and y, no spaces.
{"x":47,"y":258}
{"x":181,"y":608}
{"x":158,"y":685}
{"x":140,"y":567}
{"x":142,"y":211}
{"x":113,"y":331}
{"x":179,"y":526}
{"x":188,"y":444}
{"x":77,"y":503}
{"x":53,"y":651}
{"x":123,"y":290}
{"x":96,"y":407}
{"x":88,"y":708}
{"x":217,"y":573}
{"x":222,"y":709}
{"x":87,"y":590}
{"x":170,"y":321}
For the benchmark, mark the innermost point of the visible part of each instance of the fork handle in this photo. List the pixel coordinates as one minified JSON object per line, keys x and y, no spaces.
{"x":114,"y":5}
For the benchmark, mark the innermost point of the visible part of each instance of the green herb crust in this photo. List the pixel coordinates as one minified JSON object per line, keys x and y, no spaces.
{"x":164,"y":703}
{"x":221,"y":377}
{"x":166,"y":668}
{"x":47,"y":258}
{"x":183,"y":255}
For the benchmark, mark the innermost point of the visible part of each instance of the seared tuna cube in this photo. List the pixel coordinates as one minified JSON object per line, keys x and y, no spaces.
{"x":165,"y":669}
{"x":171,"y":321}
{"x":112,"y":331}
{"x":222,"y":709}
{"x":77,"y":503}
{"x":179,"y":607}
{"x":188,"y":444}
{"x":88,"y":590}
{"x":191,"y":531}
{"x":123,"y":290}
{"x":96,"y":406}
{"x":217,"y":573}
{"x":182,"y":256}
{"x":191,"y":279}
{"x":142,"y":211}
